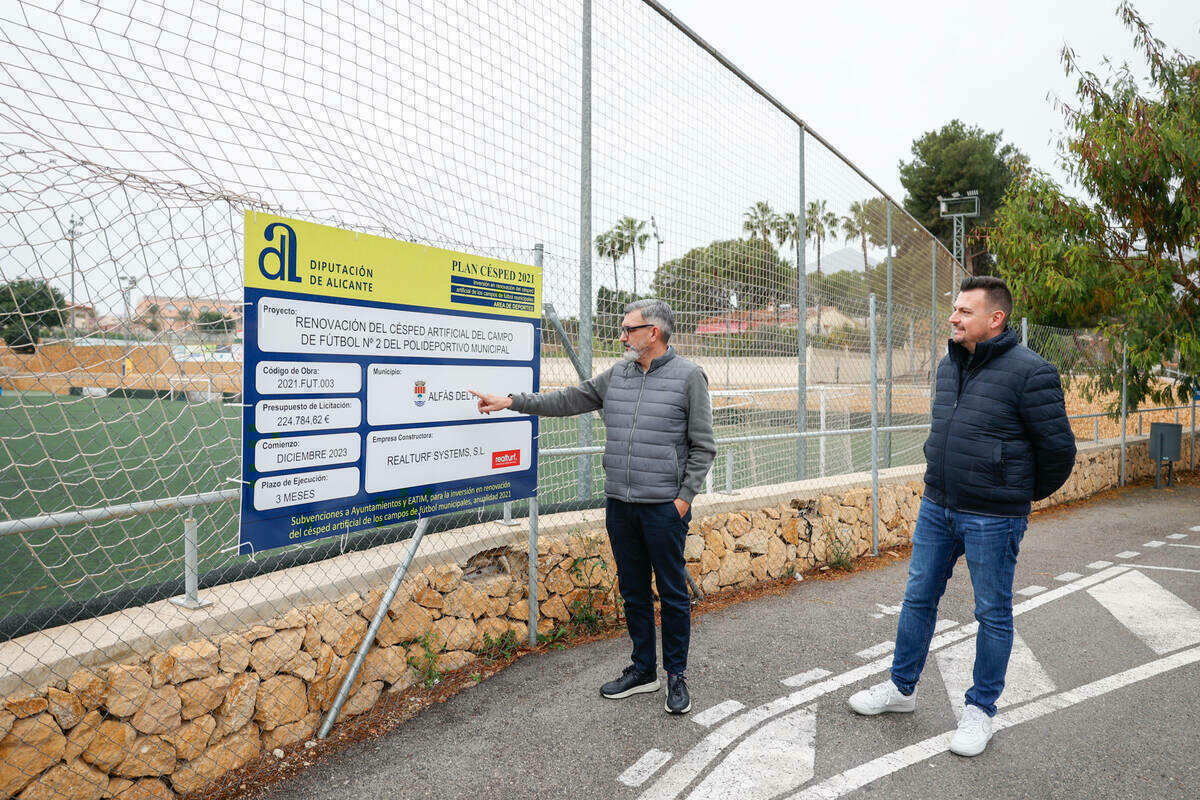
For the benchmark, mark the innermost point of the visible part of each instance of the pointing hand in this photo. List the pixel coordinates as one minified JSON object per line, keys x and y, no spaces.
{"x":491,"y":402}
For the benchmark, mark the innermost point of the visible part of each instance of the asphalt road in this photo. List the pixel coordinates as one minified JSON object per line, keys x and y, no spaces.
{"x":1101,"y":702}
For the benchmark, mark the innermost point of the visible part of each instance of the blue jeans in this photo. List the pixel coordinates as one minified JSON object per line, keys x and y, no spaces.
{"x":645,"y":537}
{"x":991,"y":545}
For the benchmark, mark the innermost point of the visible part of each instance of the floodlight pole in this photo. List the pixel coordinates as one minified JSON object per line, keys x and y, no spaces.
{"x":958,"y":207}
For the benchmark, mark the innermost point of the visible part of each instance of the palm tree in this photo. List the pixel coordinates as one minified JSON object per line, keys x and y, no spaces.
{"x":628,"y":232}
{"x":760,"y":220}
{"x":820,"y":224}
{"x":787,"y":228}
{"x":607,"y":246}
{"x":854,"y":226}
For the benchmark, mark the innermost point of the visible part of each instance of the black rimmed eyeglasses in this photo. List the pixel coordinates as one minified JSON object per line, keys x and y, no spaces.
{"x":628,"y":329}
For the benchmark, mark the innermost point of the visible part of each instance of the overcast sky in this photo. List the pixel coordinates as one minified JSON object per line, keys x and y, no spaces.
{"x":873,"y":76}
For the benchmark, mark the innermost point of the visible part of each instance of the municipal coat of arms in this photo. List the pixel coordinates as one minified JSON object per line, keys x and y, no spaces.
{"x":419,"y":393}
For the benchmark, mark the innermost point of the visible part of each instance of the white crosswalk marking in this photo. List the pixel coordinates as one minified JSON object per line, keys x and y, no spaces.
{"x":805,"y":677}
{"x":1030,"y":591}
{"x":1026,"y":679}
{"x":1067,"y":576}
{"x":875,"y":651}
{"x":1156,"y":616}
{"x":776,"y":758}
{"x":1177,"y":536}
{"x":1128,"y":554}
{"x":1099,"y":564}
{"x":1154,"y":543}
{"x":645,"y":766}
{"x":711,"y":716}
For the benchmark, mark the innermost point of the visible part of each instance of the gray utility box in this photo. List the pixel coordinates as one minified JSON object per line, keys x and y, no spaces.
{"x":1166,"y":439}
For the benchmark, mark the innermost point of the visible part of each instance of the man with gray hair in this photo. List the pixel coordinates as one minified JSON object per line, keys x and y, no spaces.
{"x":659,"y":447}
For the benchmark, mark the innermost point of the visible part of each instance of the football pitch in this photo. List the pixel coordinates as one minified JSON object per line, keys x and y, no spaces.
{"x":69,"y":453}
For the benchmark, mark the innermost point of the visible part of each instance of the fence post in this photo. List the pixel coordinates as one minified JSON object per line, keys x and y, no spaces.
{"x":1124,"y":412}
{"x":874,"y":427}
{"x":933,"y":337}
{"x":801,"y":328}
{"x":191,"y":569}
{"x":887,"y":321}
{"x":380,"y":613}
{"x":533,"y":570}
{"x":821,"y":393}
{"x":1195,"y":394}
{"x":1025,"y":331}
{"x":585,"y":243}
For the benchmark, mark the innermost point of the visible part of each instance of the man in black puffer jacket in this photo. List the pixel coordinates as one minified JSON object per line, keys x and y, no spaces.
{"x":1000,"y":439}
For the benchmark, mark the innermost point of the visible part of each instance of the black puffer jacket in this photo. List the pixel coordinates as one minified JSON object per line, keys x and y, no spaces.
{"x":1000,"y":437}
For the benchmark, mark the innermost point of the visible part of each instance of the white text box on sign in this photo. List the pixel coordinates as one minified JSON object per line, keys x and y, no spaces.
{"x":402,"y":394}
{"x":279,"y":491}
{"x":422,"y":456}
{"x":301,"y":452}
{"x":307,"y":377}
{"x":317,"y":414}
{"x":304,"y":326}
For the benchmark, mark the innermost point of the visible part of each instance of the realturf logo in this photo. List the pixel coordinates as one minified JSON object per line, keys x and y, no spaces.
{"x":506,"y":458}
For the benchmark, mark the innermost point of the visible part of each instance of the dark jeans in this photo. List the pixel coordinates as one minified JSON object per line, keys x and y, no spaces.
{"x":991,"y":545}
{"x":645,"y":537}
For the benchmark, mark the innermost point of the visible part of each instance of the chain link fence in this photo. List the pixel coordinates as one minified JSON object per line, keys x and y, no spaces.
{"x":133,"y":141}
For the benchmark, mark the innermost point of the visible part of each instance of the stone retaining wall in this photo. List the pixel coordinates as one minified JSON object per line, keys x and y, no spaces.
{"x":174,"y":721}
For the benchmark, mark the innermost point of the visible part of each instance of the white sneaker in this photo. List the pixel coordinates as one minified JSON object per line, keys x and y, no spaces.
{"x":882,"y":697}
{"x":973,"y":734}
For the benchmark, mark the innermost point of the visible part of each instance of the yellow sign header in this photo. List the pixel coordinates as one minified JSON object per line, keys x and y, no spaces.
{"x":288,"y":255}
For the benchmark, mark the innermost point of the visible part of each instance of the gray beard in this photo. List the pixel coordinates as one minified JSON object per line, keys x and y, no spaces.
{"x":631,"y":354}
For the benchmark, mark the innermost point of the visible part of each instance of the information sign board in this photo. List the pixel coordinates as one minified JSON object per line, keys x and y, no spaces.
{"x":359,"y":353}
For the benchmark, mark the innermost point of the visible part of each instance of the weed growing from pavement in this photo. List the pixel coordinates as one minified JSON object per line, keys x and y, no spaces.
{"x":841,"y":554}
{"x":426,"y":663}
{"x":501,"y":648}
{"x":587,"y":616}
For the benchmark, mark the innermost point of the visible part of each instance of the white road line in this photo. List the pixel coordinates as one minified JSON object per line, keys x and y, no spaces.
{"x":776,"y":758}
{"x":684,"y":771}
{"x":1194,"y":528}
{"x":858,"y":777}
{"x":1128,"y":554}
{"x":796,"y":681}
{"x":944,"y":625}
{"x":1190,"y":546}
{"x":1030,"y":591}
{"x":1025,"y":680}
{"x":645,"y":766}
{"x":1168,"y":569}
{"x":1157,"y":617}
{"x":1067,"y":576}
{"x":711,"y":716}
{"x":876,"y":651}
{"x":1177,"y":536}
{"x":1099,"y":565}
{"x":1154,"y":543}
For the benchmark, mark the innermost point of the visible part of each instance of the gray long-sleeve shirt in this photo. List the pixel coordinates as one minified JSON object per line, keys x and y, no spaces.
{"x":660,"y":441}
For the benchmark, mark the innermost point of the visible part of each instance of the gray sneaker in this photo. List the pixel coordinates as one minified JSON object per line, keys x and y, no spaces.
{"x":882,"y":697}
{"x":631,"y":682}
{"x":678,"y":699}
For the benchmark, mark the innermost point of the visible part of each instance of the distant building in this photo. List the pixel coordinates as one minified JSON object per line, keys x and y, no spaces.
{"x":82,"y":317}
{"x":181,"y":313}
{"x":782,"y":317}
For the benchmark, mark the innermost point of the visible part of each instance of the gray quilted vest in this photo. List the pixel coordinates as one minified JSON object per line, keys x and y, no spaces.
{"x":646,"y":415}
